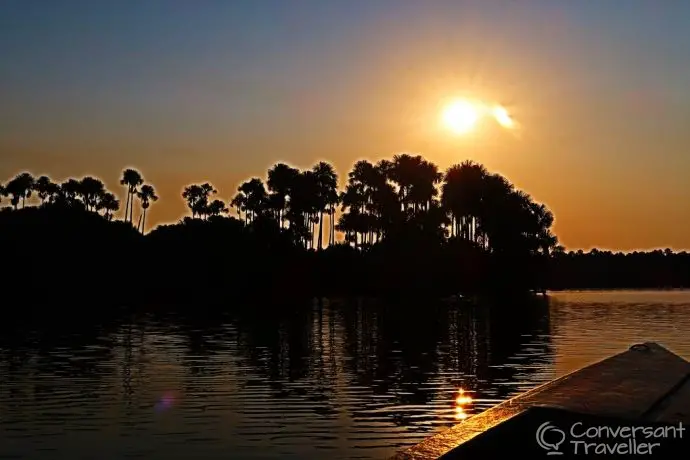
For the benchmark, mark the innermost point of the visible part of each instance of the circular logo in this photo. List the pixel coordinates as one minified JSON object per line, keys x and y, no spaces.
{"x":550,"y":438}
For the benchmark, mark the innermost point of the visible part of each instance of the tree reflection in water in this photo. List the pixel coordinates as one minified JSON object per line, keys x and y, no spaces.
{"x":345,"y":375}
{"x":399,"y":363}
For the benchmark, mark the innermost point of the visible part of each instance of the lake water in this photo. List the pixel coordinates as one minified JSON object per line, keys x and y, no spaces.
{"x":342,"y":381}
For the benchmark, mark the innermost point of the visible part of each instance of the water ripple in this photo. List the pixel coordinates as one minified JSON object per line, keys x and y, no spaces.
{"x":347,"y":381}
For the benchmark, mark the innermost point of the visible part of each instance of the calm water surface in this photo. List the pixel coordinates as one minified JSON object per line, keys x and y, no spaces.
{"x":335,"y":380}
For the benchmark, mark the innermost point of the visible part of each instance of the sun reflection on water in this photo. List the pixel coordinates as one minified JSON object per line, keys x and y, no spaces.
{"x":462,"y":403}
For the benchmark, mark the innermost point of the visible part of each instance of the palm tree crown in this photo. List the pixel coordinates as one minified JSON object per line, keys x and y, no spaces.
{"x":131,"y":179}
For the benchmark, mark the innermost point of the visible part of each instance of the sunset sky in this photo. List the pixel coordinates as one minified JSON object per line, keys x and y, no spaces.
{"x":190,"y":91}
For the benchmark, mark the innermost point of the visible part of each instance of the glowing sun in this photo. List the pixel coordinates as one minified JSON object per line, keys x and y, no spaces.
{"x":461,"y":116}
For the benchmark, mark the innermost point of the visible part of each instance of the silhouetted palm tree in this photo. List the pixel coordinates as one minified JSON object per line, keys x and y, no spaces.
{"x":402,"y":173}
{"x":461,"y":197}
{"x":498,"y":213}
{"x":251,"y":199}
{"x":281,"y":179}
{"x":369,"y":204}
{"x":327,"y":184}
{"x":46,"y":189}
{"x":303,"y":207}
{"x":70,"y":191}
{"x":131,"y":179}
{"x":424,"y":192}
{"x":146,"y":195}
{"x":21,"y":188}
{"x":239,"y":202}
{"x":216,"y":208}
{"x":90,"y":190}
{"x":542,"y":220}
{"x":109,"y":204}
{"x":197,"y":197}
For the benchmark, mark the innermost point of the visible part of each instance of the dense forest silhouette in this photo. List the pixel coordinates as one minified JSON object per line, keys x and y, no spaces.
{"x":406,"y":228}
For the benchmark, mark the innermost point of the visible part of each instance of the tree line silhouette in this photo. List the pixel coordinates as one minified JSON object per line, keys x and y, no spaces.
{"x":597,"y":269}
{"x":409,"y":192}
{"x":88,"y":193}
{"x":406,"y":226}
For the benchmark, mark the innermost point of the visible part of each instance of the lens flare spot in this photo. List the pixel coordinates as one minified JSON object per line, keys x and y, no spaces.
{"x":503,"y":117}
{"x":166,"y":401}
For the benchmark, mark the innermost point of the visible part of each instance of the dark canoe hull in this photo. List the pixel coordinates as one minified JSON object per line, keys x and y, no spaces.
{"x":644,"y":387}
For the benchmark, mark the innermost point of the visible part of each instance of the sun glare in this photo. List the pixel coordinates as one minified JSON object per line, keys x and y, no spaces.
{"x":461,"y":116}
{"x":502,"y":117}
